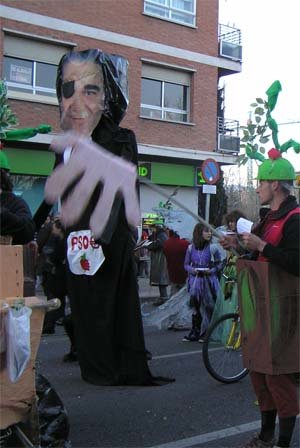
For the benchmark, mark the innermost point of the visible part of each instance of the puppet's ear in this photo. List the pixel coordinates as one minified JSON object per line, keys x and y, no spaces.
{"x":115,"y":70}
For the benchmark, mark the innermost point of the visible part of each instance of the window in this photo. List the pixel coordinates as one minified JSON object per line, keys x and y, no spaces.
{"x":181,"y":11}
{"x":165,"y":94}
{"x":30,"y":66}
{"x":30,"y":76}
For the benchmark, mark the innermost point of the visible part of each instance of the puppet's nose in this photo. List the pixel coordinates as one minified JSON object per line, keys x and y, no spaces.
{"x":77,"y":104}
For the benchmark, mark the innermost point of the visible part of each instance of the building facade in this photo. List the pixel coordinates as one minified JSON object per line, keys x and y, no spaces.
{"x":177,"y":53}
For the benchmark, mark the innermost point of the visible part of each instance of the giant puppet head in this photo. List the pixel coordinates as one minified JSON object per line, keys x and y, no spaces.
{"x":90,"y":84}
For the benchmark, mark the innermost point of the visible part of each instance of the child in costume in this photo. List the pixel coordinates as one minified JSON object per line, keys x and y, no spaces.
{"x":203,"y":263}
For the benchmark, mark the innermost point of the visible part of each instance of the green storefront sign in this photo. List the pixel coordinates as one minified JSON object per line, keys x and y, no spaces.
{"x":144,"y":170}
{"x":39,"y":163}
{"x":30,"y":161}
{"x":168,"y":173}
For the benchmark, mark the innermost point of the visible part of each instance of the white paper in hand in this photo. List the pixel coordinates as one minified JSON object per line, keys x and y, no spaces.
{"x":244,"y":225}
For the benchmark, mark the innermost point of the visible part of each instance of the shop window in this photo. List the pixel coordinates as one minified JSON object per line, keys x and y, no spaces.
{"x":165,"y":94}
{"x":181,"y":11}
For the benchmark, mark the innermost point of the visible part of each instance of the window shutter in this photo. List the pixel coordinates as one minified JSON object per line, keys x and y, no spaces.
{"x":31,"y":49}
{"x":166,"y":74}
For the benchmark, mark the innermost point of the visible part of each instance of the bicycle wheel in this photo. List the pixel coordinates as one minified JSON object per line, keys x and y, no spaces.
{"x":222,"y":352}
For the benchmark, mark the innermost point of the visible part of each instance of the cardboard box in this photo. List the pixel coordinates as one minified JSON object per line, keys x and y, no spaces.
{"x":269,"y":308}
{"x":11,"y":271}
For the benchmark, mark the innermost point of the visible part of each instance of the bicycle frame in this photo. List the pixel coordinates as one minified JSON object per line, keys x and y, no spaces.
{"x":231,"y":342}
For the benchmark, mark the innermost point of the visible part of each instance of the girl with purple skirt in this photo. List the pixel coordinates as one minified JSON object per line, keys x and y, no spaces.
{"x":203,"y":263}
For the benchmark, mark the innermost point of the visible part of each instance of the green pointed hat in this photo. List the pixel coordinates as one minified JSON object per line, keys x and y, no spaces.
{"x":276,"y":167}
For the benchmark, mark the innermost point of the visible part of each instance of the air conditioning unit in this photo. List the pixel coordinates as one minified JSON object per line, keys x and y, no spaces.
{"x":230,"y":50}
{"x":229,"y":144}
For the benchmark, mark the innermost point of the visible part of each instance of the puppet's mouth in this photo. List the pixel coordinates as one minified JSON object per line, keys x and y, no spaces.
{"x":75,"y":115}
{"x":81,"y":116}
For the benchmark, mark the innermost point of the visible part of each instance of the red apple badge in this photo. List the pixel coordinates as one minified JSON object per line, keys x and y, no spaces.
{"x":84,"y":256}
{"x":84,"y":263}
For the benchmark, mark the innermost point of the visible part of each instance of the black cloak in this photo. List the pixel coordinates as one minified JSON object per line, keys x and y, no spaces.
{"x":105,"y":306}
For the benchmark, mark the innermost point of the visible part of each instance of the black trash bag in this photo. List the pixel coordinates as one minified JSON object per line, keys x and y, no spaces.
{"x":53,"y":418}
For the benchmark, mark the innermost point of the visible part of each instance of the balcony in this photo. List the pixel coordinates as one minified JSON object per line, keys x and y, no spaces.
{"x":230,"y":43}
{"x":228,"y":136}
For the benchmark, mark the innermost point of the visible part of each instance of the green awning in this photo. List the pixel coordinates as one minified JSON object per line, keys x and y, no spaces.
{"x":40,"y":163}
{"x":30,"y":161}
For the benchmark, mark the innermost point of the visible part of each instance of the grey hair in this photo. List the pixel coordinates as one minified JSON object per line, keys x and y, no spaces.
{"x":286,"y":185}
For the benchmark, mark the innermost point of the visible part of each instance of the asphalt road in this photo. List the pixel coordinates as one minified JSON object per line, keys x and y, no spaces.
{"x":194,"y":411}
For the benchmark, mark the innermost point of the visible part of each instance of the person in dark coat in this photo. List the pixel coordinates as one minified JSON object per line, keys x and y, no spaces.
{"x":54,"y":274}
{"x":158,"y":263}
{"x":102,"y":283}
{"x":41,"y":239}
{"x":15,"y":216}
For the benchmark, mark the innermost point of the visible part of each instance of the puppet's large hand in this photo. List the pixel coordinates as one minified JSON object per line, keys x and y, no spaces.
{"x":92,"y":164}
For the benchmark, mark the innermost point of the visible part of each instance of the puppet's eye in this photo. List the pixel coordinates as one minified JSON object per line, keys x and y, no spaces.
{"x":68,"y":89}
{"x":91,"y":90}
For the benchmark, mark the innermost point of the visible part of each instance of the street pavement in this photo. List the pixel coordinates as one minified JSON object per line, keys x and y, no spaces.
{"x":146,"y":291}
{"x":193,"y":411}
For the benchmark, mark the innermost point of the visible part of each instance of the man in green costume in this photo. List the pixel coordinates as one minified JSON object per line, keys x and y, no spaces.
{"x":275,"y":240}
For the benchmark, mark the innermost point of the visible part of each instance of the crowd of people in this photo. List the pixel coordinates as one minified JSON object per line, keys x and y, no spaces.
{"x":170,"y":262}
{"x":97,"y":270}
{"x":200,"y":265}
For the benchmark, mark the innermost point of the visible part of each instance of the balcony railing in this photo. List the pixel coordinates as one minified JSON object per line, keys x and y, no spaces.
{"x":228,"y":136}
{"x":230,"y":42}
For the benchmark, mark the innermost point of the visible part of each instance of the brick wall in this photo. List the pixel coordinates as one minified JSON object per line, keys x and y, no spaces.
{"x":127,"y":17}
{"x":121,"y":16}
{"x":32,"y":114}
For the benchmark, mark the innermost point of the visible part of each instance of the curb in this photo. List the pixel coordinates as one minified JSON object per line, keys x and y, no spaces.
{"x":147,"y":298}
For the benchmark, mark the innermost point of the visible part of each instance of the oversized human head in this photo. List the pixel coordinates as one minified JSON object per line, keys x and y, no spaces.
{"x":90,"y":84}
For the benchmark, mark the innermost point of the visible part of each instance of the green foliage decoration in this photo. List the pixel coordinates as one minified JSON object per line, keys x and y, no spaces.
{"x":7,"y":116}
{"x":263,"y":127}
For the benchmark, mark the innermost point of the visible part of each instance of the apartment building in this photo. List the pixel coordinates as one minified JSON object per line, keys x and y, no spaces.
{"x":177,"y":53}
